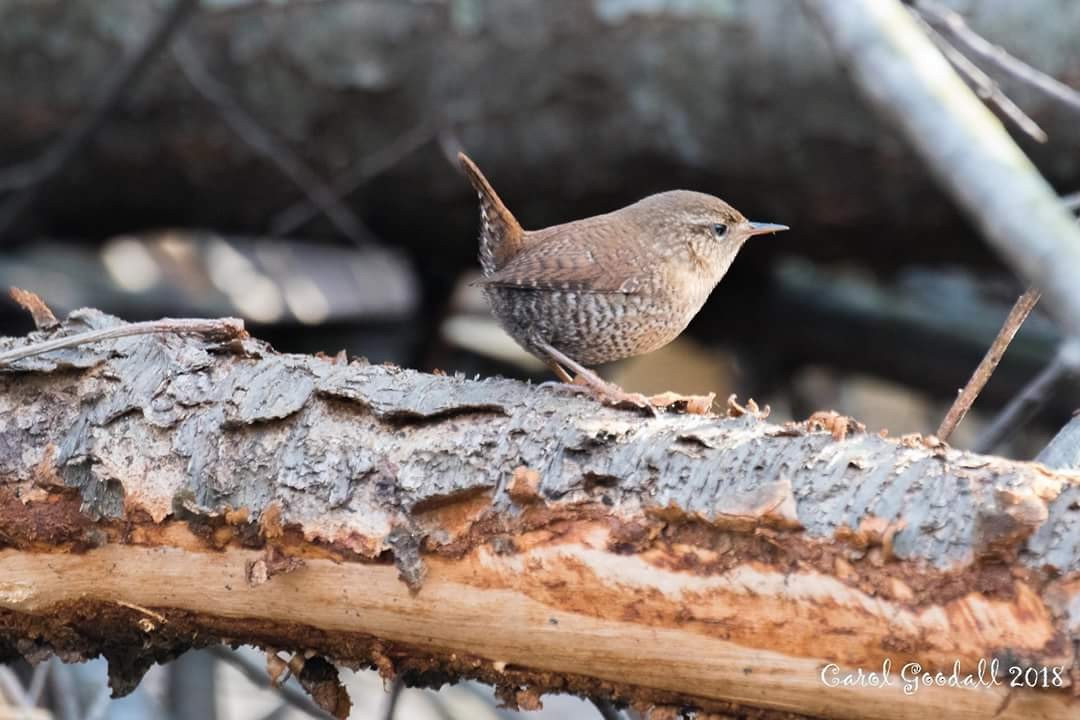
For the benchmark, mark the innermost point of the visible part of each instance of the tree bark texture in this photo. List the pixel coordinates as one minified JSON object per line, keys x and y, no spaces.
{"x":571,"y":107}
{"x":164,"y":492}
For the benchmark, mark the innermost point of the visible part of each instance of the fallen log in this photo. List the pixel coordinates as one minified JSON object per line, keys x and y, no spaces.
{"x":164,"y":492}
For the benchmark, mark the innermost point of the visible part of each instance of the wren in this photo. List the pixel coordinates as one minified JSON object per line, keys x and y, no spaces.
{"x":609,"y":286}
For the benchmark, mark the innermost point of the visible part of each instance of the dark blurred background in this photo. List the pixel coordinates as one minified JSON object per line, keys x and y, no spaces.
{"x":289,"y":162}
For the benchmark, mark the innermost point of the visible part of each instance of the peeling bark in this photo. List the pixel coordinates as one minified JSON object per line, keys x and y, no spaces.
{"x":159,"y":493}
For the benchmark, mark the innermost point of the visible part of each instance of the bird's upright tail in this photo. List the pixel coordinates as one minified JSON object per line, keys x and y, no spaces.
{"x":501,"y":237}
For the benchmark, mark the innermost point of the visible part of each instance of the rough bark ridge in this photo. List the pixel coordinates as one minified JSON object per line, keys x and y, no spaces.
{"x":162,"y":492}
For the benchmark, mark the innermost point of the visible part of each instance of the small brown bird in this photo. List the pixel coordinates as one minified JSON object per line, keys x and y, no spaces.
{"x":609,"y":286}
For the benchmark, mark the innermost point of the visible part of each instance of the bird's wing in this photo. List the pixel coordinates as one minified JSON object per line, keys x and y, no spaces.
{"x":586,"y":256}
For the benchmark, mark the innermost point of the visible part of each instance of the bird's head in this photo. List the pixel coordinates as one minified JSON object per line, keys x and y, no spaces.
{"x":702,"y":228}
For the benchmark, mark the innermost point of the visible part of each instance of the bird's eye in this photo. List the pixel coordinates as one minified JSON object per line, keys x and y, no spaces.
{"x":720,"y":229}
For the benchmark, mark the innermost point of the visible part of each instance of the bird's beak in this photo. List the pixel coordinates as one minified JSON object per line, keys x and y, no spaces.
{"x":757,"y":228}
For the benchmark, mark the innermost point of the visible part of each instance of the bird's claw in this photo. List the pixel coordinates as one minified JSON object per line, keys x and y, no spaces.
{"x":572,"y":388}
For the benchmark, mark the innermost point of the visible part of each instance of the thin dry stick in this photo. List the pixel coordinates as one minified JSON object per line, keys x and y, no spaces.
{"x":983,"y":84}
{"x":956,"y":28}
{"x":65,"y":700}
{"x":1020,"y":310}
{"x":32,"y":177}
{"x":257,"y":675}
{"x":225,"y":328}
{"x":37,"y":682}
{"x":263,"y":142}
{"x":392,"y":700}
{"x":1035,"y":395}
{"x":607,"y":710}
{"x":295,"y":216}
{"x":11,"y":688}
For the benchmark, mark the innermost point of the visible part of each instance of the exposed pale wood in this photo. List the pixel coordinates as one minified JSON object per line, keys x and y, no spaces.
{"x":480,"y":603}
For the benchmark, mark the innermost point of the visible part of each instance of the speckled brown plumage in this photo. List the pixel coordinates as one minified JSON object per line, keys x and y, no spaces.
{"x":609,"y":286}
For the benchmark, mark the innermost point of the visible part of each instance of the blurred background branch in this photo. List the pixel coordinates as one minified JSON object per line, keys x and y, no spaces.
{"x":30,"y":179}
{"x":977,"y":163}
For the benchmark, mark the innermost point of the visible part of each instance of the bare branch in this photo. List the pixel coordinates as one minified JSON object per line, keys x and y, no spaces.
{"x":295,"y":216}
{"x":37,"y":682}
{"x":1020,"y":310}
{"x":392,"y":698}
{"x":902,"y":73}
{"x":62,"y":691}
{"x":607,"y":710}
{"x":1065,"y":364}
{"x":225,"y":328}
{"x":984,"y":85}
{"x":263,"y":142}
{"x":31,"y":178}
{"x":956,"y":28}
{"x":12,"y":689}
{"x":256,"y":673}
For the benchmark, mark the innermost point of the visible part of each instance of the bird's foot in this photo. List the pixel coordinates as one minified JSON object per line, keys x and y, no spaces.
{"x":611,"y":394}
{"x":603,"y":392}
{"x":690,"y":404}
{"x":573,"y":388}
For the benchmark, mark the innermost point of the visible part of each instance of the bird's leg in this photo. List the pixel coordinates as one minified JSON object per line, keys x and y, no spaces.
{"x":601,"y":389}
{"x":559,"y":372}
{"x":565,"y":382}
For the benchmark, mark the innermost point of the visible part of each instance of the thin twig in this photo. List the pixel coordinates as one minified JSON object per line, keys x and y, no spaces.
{"x":1034,"y":396}
{"x":956,"y":28}
{"x":607,"y":710}
{"x":226,"y":328}
{"x":1020,"y":310}
{"x":392,"y":699}
{"x":31,"y":178}
{"x":983,"y":84}
{"x":386,"y":157}
{"x":266,"y":144}
{"x":65,"y":700}
{"x":256,"y":673}
{"x":1063,"y":450}
{"x":37,"y":682}
{"x":11,"y":688}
